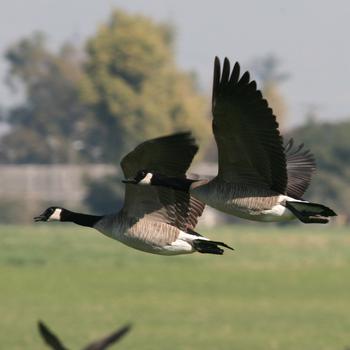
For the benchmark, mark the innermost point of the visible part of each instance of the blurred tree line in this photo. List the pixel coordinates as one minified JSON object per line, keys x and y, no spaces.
{"x":330,"y":144}
{"x":94,"y":104}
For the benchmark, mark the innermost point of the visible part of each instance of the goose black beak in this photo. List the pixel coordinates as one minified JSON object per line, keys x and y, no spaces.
{"x":129,"y":181}
{"x":41,"y":217}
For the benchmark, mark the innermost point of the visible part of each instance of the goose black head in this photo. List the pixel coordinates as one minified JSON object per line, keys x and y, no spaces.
{"x":149,"y":178}
{"x":50,"y":214}
{"x":142,"y":177}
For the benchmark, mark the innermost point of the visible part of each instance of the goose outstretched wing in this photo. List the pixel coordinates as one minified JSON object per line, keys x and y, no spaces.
{"x":109,"y":339}
{"x":250,"y":147}
{"x":50,"y":338}
{"x":169,"y":155}
{"x":301,"y":165}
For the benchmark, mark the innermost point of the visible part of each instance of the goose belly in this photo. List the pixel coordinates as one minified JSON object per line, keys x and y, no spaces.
{"x":278,"y":213}
{"x":245,"y":202}
{"x":151,"y":237}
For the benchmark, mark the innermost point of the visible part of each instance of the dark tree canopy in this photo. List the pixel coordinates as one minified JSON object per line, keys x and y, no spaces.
{"x":134,"y":86}
{"x":48,"y":126}
{"x":330,"y":145}
{"x":96,"y":107}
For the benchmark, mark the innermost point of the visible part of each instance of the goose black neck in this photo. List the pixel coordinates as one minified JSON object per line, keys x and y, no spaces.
{"x":80,"y":219}
{"x":176,"y":183}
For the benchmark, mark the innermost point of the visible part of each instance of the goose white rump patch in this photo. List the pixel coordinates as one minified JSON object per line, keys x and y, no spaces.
{"x":183,"y":243}
{"x":279,"y":212}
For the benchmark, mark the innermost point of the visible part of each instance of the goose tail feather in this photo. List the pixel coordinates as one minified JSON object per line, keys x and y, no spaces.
{"x":209,"y":247}
{"x":310,"y":213}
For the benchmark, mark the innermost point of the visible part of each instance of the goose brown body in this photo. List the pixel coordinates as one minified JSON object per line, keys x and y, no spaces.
{"x":148,"y":235}
{"x":239,"y":199}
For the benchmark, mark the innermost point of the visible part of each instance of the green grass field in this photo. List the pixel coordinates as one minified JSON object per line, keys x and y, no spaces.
{"x":280,"y":289}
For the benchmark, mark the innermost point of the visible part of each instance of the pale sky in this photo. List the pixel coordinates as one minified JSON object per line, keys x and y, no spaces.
{"x":311,"y":37}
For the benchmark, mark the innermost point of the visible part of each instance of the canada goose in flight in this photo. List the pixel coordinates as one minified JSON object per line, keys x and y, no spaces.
{"x":258,"y":179}
{"x":153,"y":219}
{"x":53,"y":342}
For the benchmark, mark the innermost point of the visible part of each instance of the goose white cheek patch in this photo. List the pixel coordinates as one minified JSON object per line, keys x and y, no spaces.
{"x":56,"y":215}
{"x":146,"y":180}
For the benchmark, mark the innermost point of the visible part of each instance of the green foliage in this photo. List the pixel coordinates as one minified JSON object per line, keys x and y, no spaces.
{"x":134,"y":87}
{"x":280,"y":289}
{"x":331,"y":147}
{"x":128,"y":90}
{"x":48,"y":127}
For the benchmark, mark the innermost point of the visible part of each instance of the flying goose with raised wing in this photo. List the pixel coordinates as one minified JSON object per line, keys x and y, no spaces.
{"x":153,"y":219}
{"x":258,"y":178}
{"x":55,"y":343}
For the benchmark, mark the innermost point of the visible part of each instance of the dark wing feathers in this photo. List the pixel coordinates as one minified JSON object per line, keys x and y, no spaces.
{"x":109,"y":340}
{"x":195,"y":210}
{"x":50,"y":338}
{"x":249,"y":144}
{"x":235,"y":73}
{"x":301,"y":165}
{"x":162,"y":155}
{"x":182,"y":210}
{"x":169,"y":155}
